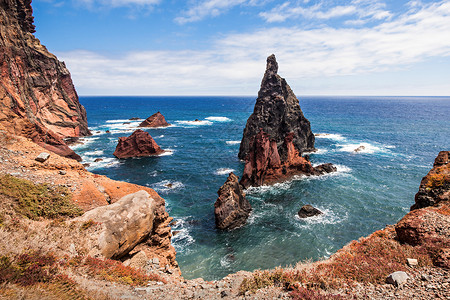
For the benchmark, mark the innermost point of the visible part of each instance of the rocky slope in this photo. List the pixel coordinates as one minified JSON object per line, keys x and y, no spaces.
{"x":277,"y":112}
{"x":37,"y":96}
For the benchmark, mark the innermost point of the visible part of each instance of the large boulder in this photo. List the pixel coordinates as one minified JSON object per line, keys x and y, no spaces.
{"x":231,"y":209}
{"x":307,"y":211}
{"x":277,"y":112}
{"x":155,"y":120}
{"x":37,"y":96}
{"x":138,"y":144}
{"x":123,"y":224}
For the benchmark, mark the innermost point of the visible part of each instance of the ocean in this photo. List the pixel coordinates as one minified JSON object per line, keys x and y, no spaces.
{"x":372,"y":188}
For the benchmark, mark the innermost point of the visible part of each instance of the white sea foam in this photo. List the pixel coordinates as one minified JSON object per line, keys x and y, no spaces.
{"x":218,"y":119}
{"x":223,"y":171}
{"x":194,"y":123}
{"x":167,"y":152}
{"x":167,"y":185}
{"x":318,"y":151}
{"x":233,"y":142}
{"x":94,"y":153}
{"x":183,"y":238}
{"x":366,"y":148}
{"x":330,"y":136}
{"x":160,"y":137}
{"x":328,"y":217}
{"x":121,"y":121}
{"x":83,"y":143}
{"x":106,"y":162}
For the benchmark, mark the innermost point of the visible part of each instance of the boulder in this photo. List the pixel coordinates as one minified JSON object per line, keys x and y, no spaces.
{"x":124,"y":224}
{"x":42,"y":157}
{"x":277,"y":112}
{"x":397,"y":278}
{"x":231,"y":209}
{"x":138,"y":144}
{"x":155,"y":120}
{"x":308,"y":211}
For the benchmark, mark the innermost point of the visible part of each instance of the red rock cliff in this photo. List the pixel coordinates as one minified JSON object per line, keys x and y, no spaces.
{"x":37,"y":96}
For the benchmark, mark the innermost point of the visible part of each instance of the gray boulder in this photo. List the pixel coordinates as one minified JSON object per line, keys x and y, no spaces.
{"x":397,"y":278}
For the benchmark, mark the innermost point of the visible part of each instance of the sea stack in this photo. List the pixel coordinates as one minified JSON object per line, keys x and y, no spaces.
{"x":155,"y":120}
{"x":231,"y":209}
{"x":139,"y":144}
{"x":37,"y":97}
{"x":276,"y":135}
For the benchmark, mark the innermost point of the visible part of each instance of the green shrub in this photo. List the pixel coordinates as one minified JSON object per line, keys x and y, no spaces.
{"x":39,"y":200}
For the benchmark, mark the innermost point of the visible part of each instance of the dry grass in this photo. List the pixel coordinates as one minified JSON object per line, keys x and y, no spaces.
{"x":368,"y":260}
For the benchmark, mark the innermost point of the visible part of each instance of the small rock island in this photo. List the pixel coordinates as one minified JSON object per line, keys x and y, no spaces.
{"x":155,"y":120}
{"x":138,"y":144}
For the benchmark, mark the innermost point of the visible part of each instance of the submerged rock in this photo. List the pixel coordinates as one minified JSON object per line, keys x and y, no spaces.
{"x":155,"y":120}
{"x":231,"y":209}
{"x":308,"y":211}
{"x":140,"y":143}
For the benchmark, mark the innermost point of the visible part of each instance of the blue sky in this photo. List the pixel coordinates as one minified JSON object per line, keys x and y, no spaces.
{"x":219,"y":47}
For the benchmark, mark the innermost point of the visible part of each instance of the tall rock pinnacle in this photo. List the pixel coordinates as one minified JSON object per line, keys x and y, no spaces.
{"x":37,"y":96}
{"x":277,"y":112}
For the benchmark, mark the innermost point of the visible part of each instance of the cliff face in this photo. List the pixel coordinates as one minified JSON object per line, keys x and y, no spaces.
{"x":37,"y":96}
{"x":277,"y":112}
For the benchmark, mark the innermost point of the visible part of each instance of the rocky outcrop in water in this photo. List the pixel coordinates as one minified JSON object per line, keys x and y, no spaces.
{"x":37,"y":96}
{"x":155,"y":120}
{"x":277,"y":112}
{"x":276,"y":134}
{"x":428,"y":222}
{"x":265,"y":165}
{"x":231,"y":209}
{"x":138,"y":144}
{"x":435,"y":187}
{"x":307,"y":211}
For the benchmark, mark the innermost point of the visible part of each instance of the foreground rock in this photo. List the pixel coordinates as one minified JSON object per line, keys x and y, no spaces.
{"x":277,"y":112}
{"x":231,"y":209}
{"x":308,"y":211}
{"x":265,"y":164}
{"x":276,"y":135}
{"x":138,"y":144}
{"x":124,"y":224}
{"x":428,"y":223}
{"x":155,"y":120}
{"x":435,"y":187}
{"x":37,"y":96}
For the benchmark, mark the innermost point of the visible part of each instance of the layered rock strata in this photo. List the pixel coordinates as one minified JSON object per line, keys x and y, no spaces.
{"x":155,"y":120}
{"x":276,"y":135}
{"x":428,"y":223}
{"x":231,"y":208}
{"x":265,"y":165}
{"x":138,"y":144}
{"x":37,"y":96}
{"x":277,"y":112}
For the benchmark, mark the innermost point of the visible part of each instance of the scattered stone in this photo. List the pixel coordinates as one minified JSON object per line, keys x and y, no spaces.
{"x":397,"y":278}
{"x":98,"y":159}
{"x":42,"y":157}
{"x":107,"y":131}
{"x":308,"y":211}
{"x":175,"y":232}
{"x":62,"y":172}
{"x":412,"y":262}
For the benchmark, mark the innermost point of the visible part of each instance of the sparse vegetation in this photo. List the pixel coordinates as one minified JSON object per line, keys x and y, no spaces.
{"x":38,"y":200}
{"x":88,"y":224}
{"x":437,"y":180}
{"x":112,"y":270}
{"x":369,"y":260}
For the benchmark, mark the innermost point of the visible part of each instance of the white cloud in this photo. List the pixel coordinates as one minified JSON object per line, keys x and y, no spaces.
{"x":118,"y":3}
{"x":213,"y":8}
{"x":362,"y":9}
{"x":235,"y":64}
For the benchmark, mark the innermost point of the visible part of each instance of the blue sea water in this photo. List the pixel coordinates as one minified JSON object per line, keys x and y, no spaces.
{"x":372,"y":188}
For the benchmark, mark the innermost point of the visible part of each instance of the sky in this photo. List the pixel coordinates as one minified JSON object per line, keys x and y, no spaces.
{"x":219,"y":47}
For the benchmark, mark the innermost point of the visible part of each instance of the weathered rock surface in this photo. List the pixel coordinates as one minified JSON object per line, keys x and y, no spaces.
{"x":155,"y":120}
{"x":231,"y":209}
{"x":397,"y":278}
{"x":277,"y":112}
{"x":138,"y":144}
{"x":435,"y":187}
{"x":308,"y":211}
{"x":37,"y":96}
{"x":428,"y":223}
{"x":124,"y":224}
{"x":265,"y":165}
